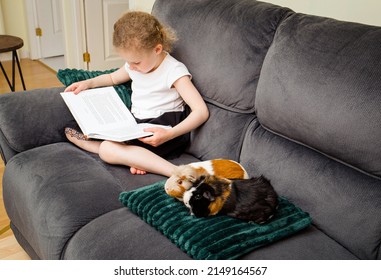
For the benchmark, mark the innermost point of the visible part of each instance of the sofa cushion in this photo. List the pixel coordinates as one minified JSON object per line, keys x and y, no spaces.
{"x":310,"y":244}
{"x":120,"y":235}
{"x":52,"y":191}
{"x":68,"y":76}
{"x":343,"y":202}
{"x":320,"y":86}
{"x":143,"y":242}
{"x":217,"y":237}
{"x":225,"y":65}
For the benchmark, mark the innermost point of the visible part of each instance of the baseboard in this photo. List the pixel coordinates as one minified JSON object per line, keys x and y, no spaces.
{"x":8,"y":56}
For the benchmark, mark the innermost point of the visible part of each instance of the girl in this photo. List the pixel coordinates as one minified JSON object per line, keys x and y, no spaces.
{"x":161,"y":93}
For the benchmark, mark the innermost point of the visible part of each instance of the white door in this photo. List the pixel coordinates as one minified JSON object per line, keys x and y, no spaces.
{"x":100,"y":16}
{"x":49,"y":18}
{"x":45,"y":15}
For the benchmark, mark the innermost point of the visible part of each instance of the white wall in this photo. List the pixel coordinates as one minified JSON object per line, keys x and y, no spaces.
{"x":2,"y":29}
{"x":144,"y":5}
{"x":364,"y":11}
{"x":14,"y":20}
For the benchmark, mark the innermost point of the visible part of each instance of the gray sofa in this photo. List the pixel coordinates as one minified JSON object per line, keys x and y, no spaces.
{"x":291,"y":96}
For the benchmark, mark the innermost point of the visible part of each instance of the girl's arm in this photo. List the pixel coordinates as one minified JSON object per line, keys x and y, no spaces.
{"x":199,"y":111}
{"x":199,"y":114}
{"x":118,"y":77}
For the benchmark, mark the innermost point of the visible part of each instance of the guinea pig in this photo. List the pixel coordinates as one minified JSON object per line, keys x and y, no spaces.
{"x":184,"y":176}
{"x":252,"y":200}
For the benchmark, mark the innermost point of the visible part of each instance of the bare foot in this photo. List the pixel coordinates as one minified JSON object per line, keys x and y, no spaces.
{"x":136,"y":171}
{"x":72,"y":134}
{"x":80,"y":140}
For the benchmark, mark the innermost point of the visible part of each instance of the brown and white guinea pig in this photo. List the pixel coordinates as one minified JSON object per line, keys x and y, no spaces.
{"x":252,"y":200}
{"x":184,"y":176}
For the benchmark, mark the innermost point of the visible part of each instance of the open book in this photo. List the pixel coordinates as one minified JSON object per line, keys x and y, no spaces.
{"x":101,"y":114}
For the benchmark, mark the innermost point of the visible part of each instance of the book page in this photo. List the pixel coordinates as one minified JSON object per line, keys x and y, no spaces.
{"x":98,"y":109}
{"x":105,"y":109}
{"x":101,"y":114}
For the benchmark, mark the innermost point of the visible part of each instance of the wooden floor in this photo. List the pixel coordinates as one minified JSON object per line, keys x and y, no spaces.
{"x":36,"y":75}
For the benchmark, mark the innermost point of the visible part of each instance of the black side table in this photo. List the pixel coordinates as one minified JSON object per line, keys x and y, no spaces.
{"x":11,"y":44}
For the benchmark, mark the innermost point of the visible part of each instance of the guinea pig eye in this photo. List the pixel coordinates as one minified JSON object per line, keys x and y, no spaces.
{"x":198,"y":196}
{"x":179,"y":182}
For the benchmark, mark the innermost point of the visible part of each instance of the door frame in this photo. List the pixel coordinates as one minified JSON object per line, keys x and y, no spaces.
{"x":74,"y":28}
{"x":34,"y":44}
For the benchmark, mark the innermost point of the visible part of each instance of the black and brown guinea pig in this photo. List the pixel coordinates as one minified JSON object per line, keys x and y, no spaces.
{"x":252,"y":200}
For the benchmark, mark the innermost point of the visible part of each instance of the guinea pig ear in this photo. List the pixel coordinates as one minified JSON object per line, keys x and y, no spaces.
{"x":208,"y":196}
{"x":200,"y":180}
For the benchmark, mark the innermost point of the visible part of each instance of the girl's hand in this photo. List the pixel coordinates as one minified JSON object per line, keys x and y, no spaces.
{"x":78,"y":86}
{"x":118,"y":77}
{"x":160,"y":136}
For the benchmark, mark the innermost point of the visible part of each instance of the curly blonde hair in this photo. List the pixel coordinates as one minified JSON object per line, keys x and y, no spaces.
{"x":140,"y":30}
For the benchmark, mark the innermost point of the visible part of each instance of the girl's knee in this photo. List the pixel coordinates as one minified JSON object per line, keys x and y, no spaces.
{"x":107,"y":151}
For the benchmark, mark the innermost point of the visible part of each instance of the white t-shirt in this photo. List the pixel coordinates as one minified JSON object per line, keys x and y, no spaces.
{"x":152,"y":93}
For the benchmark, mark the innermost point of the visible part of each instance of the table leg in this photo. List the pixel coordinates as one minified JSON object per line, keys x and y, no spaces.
{"x":18,"y":65}
{"x":6,"y":76}
{"x":13,"y":71}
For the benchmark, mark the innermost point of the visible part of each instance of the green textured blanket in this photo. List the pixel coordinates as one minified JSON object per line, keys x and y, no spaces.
{"x":218,"y":237}
{"x":69,"y":76}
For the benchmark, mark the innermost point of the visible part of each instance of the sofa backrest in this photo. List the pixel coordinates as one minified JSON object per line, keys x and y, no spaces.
{"x":319,"y":105}
{"x":321,"y":86}
{"x":223,"y":43}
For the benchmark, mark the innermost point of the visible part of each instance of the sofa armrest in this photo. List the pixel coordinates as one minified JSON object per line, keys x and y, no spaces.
{"x":31,"y":119}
